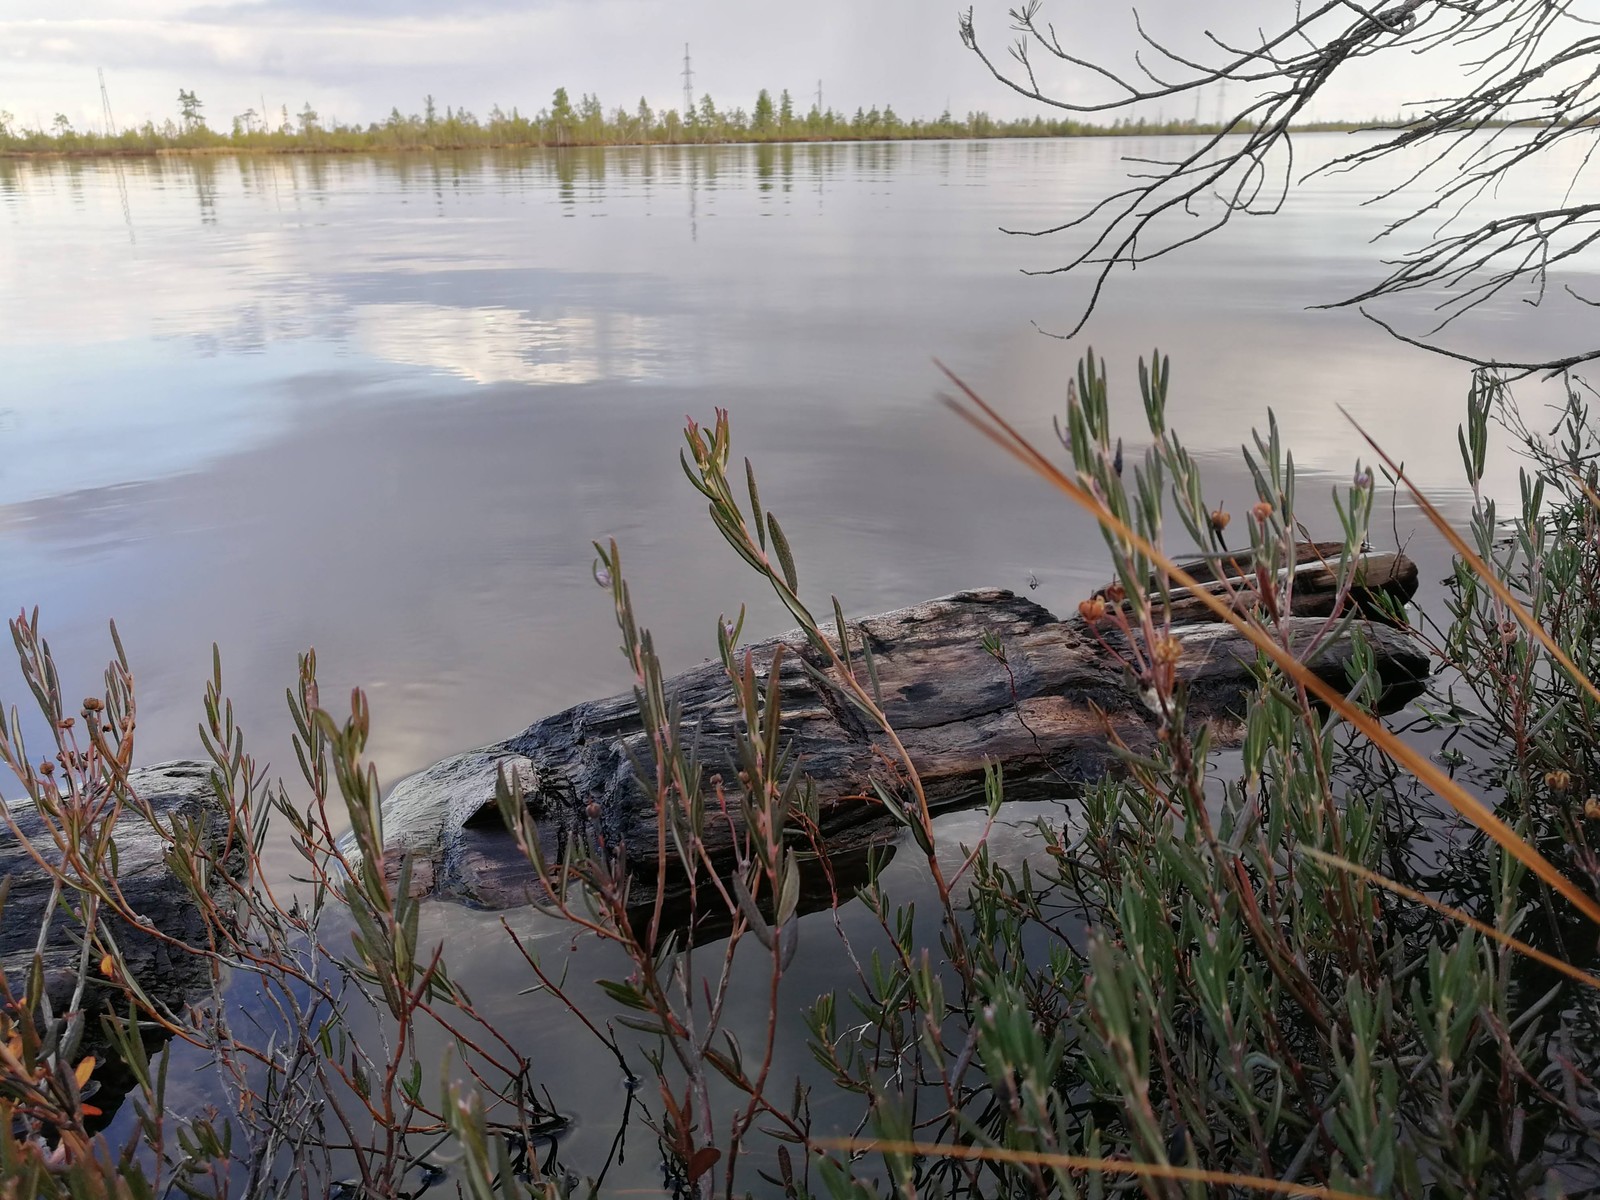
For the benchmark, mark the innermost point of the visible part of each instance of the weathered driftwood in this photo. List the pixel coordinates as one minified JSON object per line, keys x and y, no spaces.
{"x":1380,"y":581}
{"x":176,"y":791}
{"x":1047,"y":715}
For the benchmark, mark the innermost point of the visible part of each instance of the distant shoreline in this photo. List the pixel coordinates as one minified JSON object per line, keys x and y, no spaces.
{"x":299,"y":144}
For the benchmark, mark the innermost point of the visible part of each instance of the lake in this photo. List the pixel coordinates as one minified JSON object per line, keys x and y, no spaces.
{"x":382,"y":406}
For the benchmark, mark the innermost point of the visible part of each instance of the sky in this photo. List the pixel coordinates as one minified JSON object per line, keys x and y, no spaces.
{"x":352,"y":60}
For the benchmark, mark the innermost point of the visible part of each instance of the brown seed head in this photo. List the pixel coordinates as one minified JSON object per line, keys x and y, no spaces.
{"x":91,"y":704}
{"x":47,"y":768}
{"x":1220,"y":519}
{"x":1261,"y":512}
{"x":1558,"y":780}
{"x":1167,"y":651}
{"x":1092,"y":610}
{"x":1591,"y":808}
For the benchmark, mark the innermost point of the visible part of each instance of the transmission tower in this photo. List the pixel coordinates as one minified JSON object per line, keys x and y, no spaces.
{"x":819,"y":97}
{"x":105,"y":105}
{"x":688,"y":85}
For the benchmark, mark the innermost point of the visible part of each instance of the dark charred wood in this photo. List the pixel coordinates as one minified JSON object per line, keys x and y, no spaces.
{"x":1048,"y":714}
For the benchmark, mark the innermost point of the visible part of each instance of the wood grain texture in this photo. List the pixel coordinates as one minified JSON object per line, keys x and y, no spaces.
{"x":1048,"y":714}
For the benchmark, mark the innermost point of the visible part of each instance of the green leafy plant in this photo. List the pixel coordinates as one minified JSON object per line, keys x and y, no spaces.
{"x":1317,"y":965}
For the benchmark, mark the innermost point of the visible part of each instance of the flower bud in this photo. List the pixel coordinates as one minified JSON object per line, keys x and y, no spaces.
{"x":1167,"y":651}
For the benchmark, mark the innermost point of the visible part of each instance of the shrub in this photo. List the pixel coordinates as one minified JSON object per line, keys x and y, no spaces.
{"x":1288,"y":970}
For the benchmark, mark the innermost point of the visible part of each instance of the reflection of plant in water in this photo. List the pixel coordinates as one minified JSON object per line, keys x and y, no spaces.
{"x":1289,"y":970}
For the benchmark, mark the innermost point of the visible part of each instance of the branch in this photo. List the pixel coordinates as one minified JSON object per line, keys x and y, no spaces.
{"x":1534,"y":66}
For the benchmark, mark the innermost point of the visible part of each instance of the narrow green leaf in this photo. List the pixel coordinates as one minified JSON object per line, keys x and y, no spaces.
{"x":789,"y":890}
{"x":755,"y":502}
{"x":785,"y":558}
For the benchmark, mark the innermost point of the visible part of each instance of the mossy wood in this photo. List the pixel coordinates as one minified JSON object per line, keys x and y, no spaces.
{"x":1047,"y":715}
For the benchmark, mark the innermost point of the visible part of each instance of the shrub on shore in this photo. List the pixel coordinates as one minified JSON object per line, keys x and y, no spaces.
{"x":1321,"y":967}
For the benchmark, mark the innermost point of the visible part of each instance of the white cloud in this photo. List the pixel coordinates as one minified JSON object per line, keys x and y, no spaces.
{"x":357,"y":58}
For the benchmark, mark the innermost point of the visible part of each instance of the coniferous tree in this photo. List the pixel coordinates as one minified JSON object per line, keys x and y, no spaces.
{"x":592,"y":118}
{"x":189,"y":106}
{"x":562,"y":116}
{"x":761,"y":120}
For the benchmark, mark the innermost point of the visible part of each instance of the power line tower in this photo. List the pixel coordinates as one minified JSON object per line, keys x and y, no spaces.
{"x":688,"y":85}
{"x":105,"y":105}
{"x":819,"y":97}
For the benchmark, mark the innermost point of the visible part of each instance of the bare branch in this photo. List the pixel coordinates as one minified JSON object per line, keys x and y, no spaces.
{"x":1531,"y":76}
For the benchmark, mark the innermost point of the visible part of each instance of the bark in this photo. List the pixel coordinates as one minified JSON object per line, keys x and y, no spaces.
{"x":1048,"y":714}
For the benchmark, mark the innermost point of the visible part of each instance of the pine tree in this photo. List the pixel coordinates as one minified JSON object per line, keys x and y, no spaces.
{"x":189,"y":106}
{"x":761,"y":120}
{"x":562,"y":118}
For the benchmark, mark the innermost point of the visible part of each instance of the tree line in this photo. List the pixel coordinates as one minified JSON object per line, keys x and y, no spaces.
{"x":562,"y":122}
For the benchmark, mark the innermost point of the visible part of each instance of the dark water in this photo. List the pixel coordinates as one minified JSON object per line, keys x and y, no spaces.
{"x":382,"y":406}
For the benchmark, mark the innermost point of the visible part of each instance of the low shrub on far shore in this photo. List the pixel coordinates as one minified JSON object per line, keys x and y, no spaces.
{"x":1318,"y":967}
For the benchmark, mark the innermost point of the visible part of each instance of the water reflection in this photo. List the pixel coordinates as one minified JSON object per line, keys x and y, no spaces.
{"x":499,"y":345}
{"x":382,"y":403}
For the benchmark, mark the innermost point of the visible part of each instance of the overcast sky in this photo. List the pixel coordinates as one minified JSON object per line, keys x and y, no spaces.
{"x":354,"y":59}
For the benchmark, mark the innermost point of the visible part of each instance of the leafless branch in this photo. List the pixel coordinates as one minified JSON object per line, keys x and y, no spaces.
{"x":1531,"y":81}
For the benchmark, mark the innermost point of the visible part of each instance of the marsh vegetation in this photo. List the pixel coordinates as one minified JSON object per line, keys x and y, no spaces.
{"x":1305,"y":950}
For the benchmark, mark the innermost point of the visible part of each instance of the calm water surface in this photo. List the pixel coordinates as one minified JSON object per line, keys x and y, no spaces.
{"x":382,"y":406}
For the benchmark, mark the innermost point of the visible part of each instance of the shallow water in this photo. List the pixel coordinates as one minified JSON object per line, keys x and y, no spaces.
{"x":382,"y":406}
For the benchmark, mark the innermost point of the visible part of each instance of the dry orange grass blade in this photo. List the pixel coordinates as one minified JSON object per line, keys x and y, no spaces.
{"x":1077,"y":1162}
{"x":993,"y":426}
{"x":1587,"y":490}
{"x":1479,"y":567}
{"x":1455,"y":914}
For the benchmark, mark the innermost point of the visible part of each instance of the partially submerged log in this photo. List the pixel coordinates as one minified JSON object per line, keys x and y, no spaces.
{"x":1047,"y":715}
{"x":1380,"y":584}
{"x":176,"y":792}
